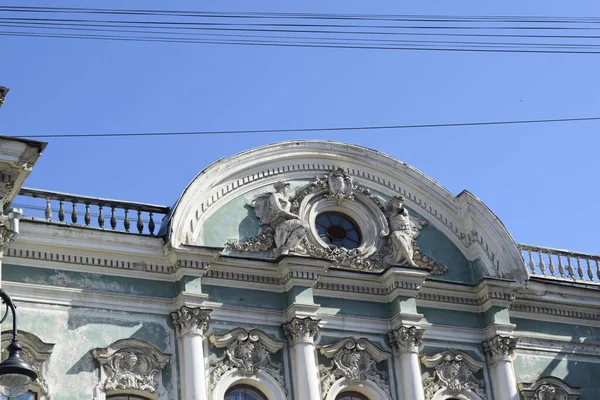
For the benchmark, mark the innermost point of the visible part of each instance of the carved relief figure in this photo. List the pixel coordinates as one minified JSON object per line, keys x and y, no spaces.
{"x":273,"y":210}
{"x":403,"y":231}
{"x":550,"y":392}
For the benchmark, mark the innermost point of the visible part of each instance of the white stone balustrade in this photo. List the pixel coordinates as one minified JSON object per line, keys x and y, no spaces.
{"x":561,"y":264}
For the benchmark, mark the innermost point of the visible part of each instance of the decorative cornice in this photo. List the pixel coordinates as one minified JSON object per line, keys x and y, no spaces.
{"x":500,"y":348}
{"x":190,"y":321}
{"x":406,"y":339}
{"x":559,"y":312}
{"x":302,"y":330}
{"x":549,"y":388}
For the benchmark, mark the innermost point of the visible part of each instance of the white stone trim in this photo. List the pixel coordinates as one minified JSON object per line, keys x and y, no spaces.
{"x":261,"y":381}
{"x":371,"y":390}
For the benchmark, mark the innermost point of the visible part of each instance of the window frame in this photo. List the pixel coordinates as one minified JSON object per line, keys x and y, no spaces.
{"x":245,"y":386}
{"x":359,"y":396}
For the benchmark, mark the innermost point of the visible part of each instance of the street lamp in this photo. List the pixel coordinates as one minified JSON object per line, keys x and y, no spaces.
{"x":15,"y":374}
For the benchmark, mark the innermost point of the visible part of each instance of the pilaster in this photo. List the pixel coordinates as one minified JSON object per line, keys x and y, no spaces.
{"x":301,"y":333}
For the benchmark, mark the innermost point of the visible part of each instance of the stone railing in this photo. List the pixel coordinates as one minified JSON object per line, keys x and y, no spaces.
{"x":90,"y":212}
{"x":561,"y":264}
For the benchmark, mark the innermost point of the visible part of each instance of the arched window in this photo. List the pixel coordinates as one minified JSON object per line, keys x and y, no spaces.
{"x":125,"y":397}
{"x":244,"y":392}
{"x":351,"y":396}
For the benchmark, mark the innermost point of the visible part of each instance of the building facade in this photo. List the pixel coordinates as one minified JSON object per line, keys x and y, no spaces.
{"x":305,"y":270}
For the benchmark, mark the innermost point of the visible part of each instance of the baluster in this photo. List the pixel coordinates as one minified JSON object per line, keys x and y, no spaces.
{"x":597,"y":269}
{"x":61,"y":212}
{"x":151,"y":225}
{"x":100,"y":218}
{"x":140,"y":223}
{"x":579,"y":269}
{"x":542,"y":265}
{"x":551,"y":265}
{"x":570,"y":267}
{"x":48,"y":211}
{"x":127,"y":222}
{"x":589,"y":269}
{"x":113,"y":218}
{"x":74,"y":213}
{"x":561,"y":268}
{"x":531,"y":263}
{"x":87,"y":218}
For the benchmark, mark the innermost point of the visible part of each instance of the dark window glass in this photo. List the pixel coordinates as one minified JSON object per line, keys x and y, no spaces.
{"x":351,"y":396}
{"x":125,"y":397}
{"x":25,"y":396}
{"x":338,"y":230}
{"x":244,"y":392}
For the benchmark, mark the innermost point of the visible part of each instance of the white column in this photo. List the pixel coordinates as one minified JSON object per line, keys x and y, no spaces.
{"x":407,"y":341}
{"x":301,"y":333}
{"x":500,"y":350}
{"x":190,"y":324}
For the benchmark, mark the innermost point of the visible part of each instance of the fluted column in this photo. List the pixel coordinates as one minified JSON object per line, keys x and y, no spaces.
{"x":301,"y":333}
{"x":500,"y":350}
{"x":407,"y":341}
{"x":190,"y":325}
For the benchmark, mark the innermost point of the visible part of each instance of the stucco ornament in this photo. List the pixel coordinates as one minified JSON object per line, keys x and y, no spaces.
{"x":406,"y":339}
{"x":500,"y":348}
{"x":131,"y":364}
{"x":247,"y":352}
{"x":35,"y":353}
{"x":340,"y":186}
{"x":302,"y":330}
{"x":279,"y":225}
{"x":190,"y":321}
{"x":353,"y":360}
{"x":549,"y":388}
{"x":454,"y":372}
{"x":284,"y":220}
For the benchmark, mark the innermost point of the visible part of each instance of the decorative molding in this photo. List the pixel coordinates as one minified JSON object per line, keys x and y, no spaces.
{"x":500,"y":348}
{"x":555,"y":311}
{"x":454,"y":373}
{"x":247,"y":352}
{"x":302,"y":330}
{"x":549,"y":388}
{"x":190,"y":321}
{"x":406,"y":339}
{"x":131,"y":364}
{"x":35,"y":353}
{"x":353,"y":360}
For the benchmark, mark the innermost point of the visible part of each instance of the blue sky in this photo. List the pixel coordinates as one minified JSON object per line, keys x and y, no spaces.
{"x":541,"y":180}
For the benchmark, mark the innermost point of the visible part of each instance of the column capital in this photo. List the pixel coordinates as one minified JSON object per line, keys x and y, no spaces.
{"x":190,"y":321}
{"x":500,"y":348}
{"x":406,"y":339}
{"x":302,"y":330}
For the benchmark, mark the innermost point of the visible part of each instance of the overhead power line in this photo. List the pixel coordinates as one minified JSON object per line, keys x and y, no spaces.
{"x":555,"y":35}
{"x":301,"y":130}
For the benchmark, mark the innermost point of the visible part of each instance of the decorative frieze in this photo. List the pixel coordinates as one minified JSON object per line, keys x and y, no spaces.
{"x":500,"y":348}
{"x":302,"y":330}
{"x":131,"y":364}
{"x":247,"y":352}
{"x":549,"y":388}
{"x":35,"y":352}
{"x":406,"y":339}
{"x":454,"y":374}
{"x":190,"y":321}
{"x":355,"y":361}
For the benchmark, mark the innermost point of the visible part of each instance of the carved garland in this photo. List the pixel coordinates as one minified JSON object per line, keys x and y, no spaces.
{"x":549,"y":388}
{"x":131,"y":365}
{"x":339,"y":186}
{"x":247,"y":352}
{"x":353,"y":360}
{"x":454,"y":372}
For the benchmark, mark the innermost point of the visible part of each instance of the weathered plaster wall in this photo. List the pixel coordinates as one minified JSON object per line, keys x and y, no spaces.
{"x":73,"y":374}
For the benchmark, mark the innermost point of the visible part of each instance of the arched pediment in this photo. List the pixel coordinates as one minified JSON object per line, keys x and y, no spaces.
{"x":220,"y":205}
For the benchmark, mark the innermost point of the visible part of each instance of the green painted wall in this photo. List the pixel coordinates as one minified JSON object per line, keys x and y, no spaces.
{"x":71,"y":370}
{"x":461,"y":319}
{"x":577,"y":373}
{"x":355,"y":307}
{"x":88,"y":281}
{"x":246,"y":297}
